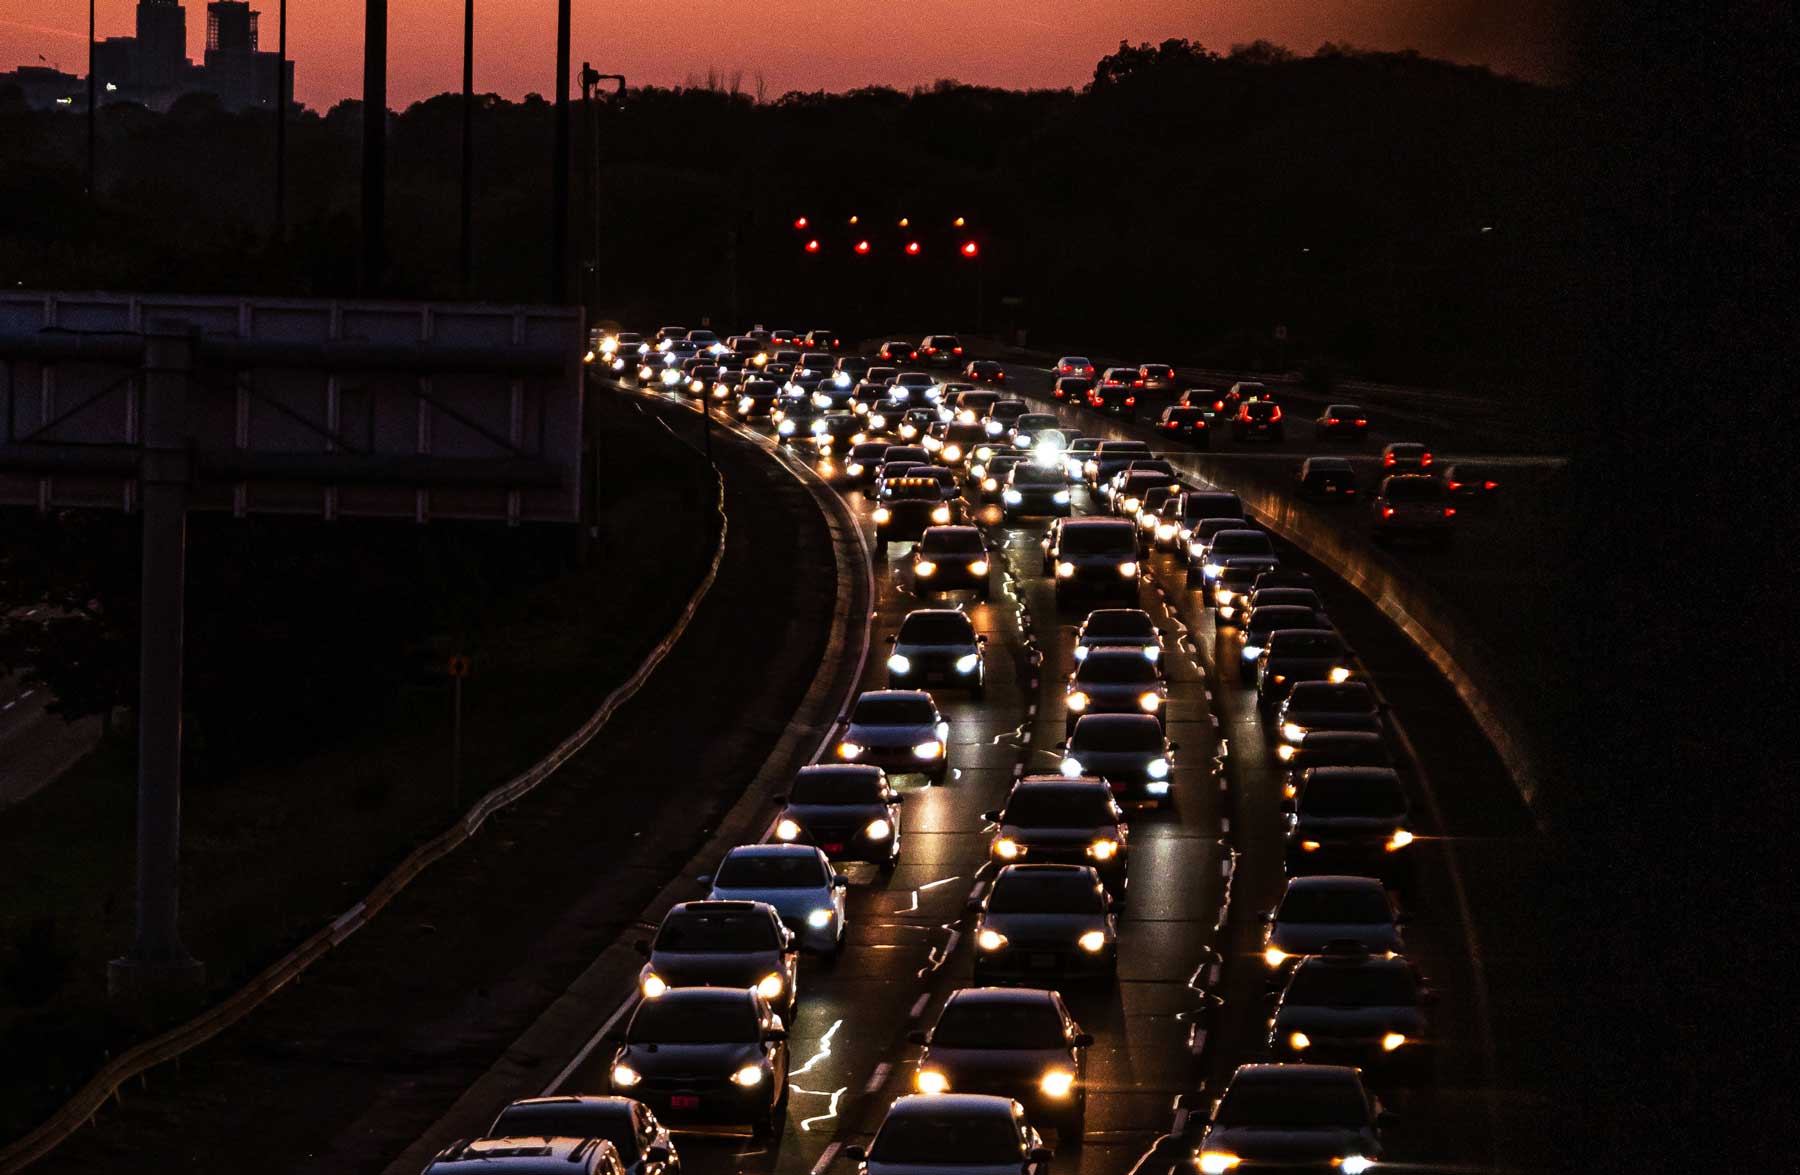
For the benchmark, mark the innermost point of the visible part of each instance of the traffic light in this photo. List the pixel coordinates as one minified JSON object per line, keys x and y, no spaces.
{"x":862,"y":246}
{"x":912,"y":248}
{"x":971,"y":249}
{"x":812,"y":246}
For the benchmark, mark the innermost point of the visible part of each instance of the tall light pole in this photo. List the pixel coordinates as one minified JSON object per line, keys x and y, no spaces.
{"x":466,"y":250}
{"x":374,"y":161}
{"x":91,"y":103}
{"x":559,"y":173}
{"x":281,"y":104}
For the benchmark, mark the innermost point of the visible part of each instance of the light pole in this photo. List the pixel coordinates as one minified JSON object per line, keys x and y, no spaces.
{"x":374,"y":161}
{"x":559,"y":173}
{"x":281,"y":127}
{"x":465,"y":254}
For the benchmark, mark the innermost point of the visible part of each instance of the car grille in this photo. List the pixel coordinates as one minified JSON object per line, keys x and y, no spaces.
{"x":696,"y":1082}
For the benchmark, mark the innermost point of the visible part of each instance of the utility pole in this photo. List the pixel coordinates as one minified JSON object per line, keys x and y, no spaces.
{"x":91,"y":189}
{"x":281,"y":105}
{"x":559,"y":174}
{"x":374,"y":161}
{"x":465,"y":256}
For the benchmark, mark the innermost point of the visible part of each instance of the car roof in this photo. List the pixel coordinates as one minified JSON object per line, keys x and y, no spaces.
{"x":1095,"y":522}
{"x":1367,"y":774}
{"x":1334,"y":883}
{"x":1287,"y":1074}
{"x":1106,"y":721}
{"x":1037,"y":869}
{"x":1328,"y":463}
{"x":1116,"y":652}
{"x":883,"y":695}
{"x":851,"y":769}
{"x":808,"y":851}
{"x":1008,"y":995}
{"x":718,"y":906}
{"x":527,"y":1153}
{"x":1061,"y":783}
{"x":934,"y":1104}
{"x":938,"y":612}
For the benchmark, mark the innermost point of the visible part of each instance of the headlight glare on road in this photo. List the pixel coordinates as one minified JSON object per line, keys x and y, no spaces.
{"x":1217,"y":1162}
{"x":930,"y":749}
{"x":990,"y":940}
{"x":1057,"y":1083}
{"x":968,"y":663}
{"x":1064,"y":570}
{"x":1071,"y":767}
{"x":1077,"y":701}
{"x":819,"y":919}
{"x":624,"y":1076}
{"x":770,"y":986}
{"x":1128,"y":569}
{"x":786,"y":829}
{"x":849,"y":750}
{"x":878,"y":828}
{"x":749,"y":1076}
{"x":653,"y":985}
{"x":1150,"y":701}
{"x":1093,"y":942}
{"x":930,"y":1081}
{"x":1007,"y":849}
{"x":899,"y":663}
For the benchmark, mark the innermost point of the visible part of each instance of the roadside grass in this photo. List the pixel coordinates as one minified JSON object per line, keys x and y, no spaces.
{"x":274,"y":853}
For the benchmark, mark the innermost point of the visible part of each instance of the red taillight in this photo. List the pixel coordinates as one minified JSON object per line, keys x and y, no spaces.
{"x":1449,"y":511}
{"x":1425,"y":460}
{"x":915,"y":355}
{"x":1362,"y":424}
{"x":1218,"y":405}
{"x":1387,"y":511}
{"x":1387,"y":458}
{"x":931,"y":350}
{"x":1488,"y":485}
{"x":1137,"y":383}
{"x":957,"y":350}
{"x":1276,"y":416}
{"x":1172,"y":424}
{"x":1332,"y":420}
{"x":1456,"y":485}
{"x":1130,"y":400}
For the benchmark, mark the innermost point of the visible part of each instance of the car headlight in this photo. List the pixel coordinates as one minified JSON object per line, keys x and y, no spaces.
{"x":1164,"y":532}
{"x":624,"y":1076}
{"x":1196,"y":550}
{"x":993,"y":428}
{"x":1217,"y":1162}
{"x":1131,"y":505}
{"x":1152,"y":652}
{"x":1012,"y":497}
{"x":925,"y":567}
{"x":908,"y":432}
{"x":1292,"y":732}
{"x":618,"y":365}
{"x":1250,"y":652}
{"x":745,"y":403}
{"x":941,"y":515}
{"x":1225,"y":595}
{"x":653,"y":985}
{"x":1355,"y":1164}
{"x":1300,"y":1040}
{"x":850,"y":750}
{"x":990,"y":940}
{"x":760,"y":358}
{"x":821,"y":400}
{"x":1060,"y":497}
{"x":899,"y":663}
{"x":968,"y":663}
{"x":609,"y":346}
{"x":785,"y":428}
{"x":818,"y":426}
{"x":1310,"y":846}
{"x":645,"y":372}
{"x":1071,"y":767}
{"x":1128,"y":569}
{"x":1339,"y":673}
{"x":1057,"y":1083}
{"x":929,"y":749}
{"x":819,"y":919}
{"x":953,"y":452}
{"x":695,"y":385}
{"x":750,"y":1076}
{"x":882,"y":514}
{"x":786,"y":829}
{"x":1076,"y":701}
{"x":1150,"y":701}
{"x":1157,"y":769}
{"x":1399,"y":840}
{"x":1007,"y":849}
{"x":1284,"y":752}
{"x":1392,"y":1041}
{"x":1093,"y":942}
{"x":1211,"y":570}
{"x":878,"y":828}
{"x":1274,"y":956}
{"x":1064,"y":570}
{"x":770,"y":986}
{"x":930,"y":1081}
{"x":979,"y":567}
{"x":841,"y":379}
{"x":1081,"y":652}
{"x":989,"y":484}
{"x":671,"y":377}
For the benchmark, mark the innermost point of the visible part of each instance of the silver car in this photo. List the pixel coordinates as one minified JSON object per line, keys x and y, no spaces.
{"x":797,"y":880}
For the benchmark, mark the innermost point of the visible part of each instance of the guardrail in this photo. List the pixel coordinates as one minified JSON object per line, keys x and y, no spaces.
{"x":87,"y":1102}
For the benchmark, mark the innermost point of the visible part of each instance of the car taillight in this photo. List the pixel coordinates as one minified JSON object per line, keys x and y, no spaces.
{"x":931,"y":350}
{"x":1360,"y":423}
{"x":1488,"y":485}
{"x":956,"y":350}
{"x":1172,"y":424}
{"x":1425,"y":460}
{"x":1137,"y":383}
{"x":915,"y":354}
{"x":1130,"y":400}
{"x":1449,"y":511}
{"x":1276,"y":416}
{"x":1456,"y":485}
{"x":1387,"y":511}
{"x":1331,"y":420}
{"x":1218,"y":405}
{"x":1387,"y":458}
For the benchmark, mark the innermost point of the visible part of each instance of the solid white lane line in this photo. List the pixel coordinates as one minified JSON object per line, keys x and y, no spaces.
{"x":592,"y":1043}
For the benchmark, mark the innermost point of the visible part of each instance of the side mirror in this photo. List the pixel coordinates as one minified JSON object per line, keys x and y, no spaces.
{"x":1084,"y":1040}
{"x":1061,"y":746}
{"x":855,"y":1151}
{"x":1386,"y":1120}
{"x":775,"y":1034}
{"x":642,"y":947}
{"x":897,"y":798}
{"x":889,"y":638}
{"x":704,"y":879}
{"x":839,"y":881}
{"x":1040,"y":1154}
{"x":918,"y":1036}
{"x":658,"y":1154}
{"x":991,"y":817}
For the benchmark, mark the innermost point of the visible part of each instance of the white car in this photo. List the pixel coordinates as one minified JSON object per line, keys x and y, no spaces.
{"x":797,"y":880}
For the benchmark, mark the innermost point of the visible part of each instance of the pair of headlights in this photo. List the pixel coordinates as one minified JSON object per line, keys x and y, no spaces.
{"x":1093,"y":941}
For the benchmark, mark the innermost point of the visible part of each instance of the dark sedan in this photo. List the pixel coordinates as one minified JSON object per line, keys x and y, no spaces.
{"x":1053,"y":819}
{"x":643,"y":1143}
{"x":846,"y":809}
{"x":1018,"y":1043}
{"x":1349,"y":820}
{"x":1293,"y":1118}
{"x":1045,"y":920}
{"x":1352,"y":1008}
{"x":1129,"y":751}
{"x":707,"y":1054}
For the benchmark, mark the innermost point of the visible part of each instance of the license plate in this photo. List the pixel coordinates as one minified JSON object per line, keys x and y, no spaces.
{"x":1043,"y":960}
{"x":833,"y":848}
{"x":1331,"y":489}
{"x":684,"y":1101}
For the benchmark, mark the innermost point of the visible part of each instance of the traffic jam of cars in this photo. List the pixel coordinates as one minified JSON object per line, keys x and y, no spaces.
{"x":1116,"y":826}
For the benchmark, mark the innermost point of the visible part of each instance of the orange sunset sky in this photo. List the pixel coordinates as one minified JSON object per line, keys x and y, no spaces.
{"x":807,"y":44}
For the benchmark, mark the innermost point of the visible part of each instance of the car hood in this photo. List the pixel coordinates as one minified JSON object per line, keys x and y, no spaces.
{"x":1291,"y":1143}
{"x":716,"y":969}
{"x":889,"y":736}
{"x":1058,"y":837}
{"x":1044,"y":927}
{"x":1324,"y":1021}
{"x":808,"y":815}
{"x":1312,"y":668}
{"x":1349,"y":826}
{"x":1329,"y":719}
{"x":968,"y":1068}
{"x":1102,"y":762}
{"x":876,"y":1167}
{"x":1114,"y":692}
{"x":1311,"y":938}
{"x":789,"y":903}
{"x":953,"y":651}
{"x":675,"y":1060}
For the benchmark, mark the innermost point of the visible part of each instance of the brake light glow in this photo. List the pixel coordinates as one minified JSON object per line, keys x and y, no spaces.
{"x":1277,"y":414}
{"x":1332,"y":420}
{"x":1449,"y":511}
{"x":1456,"y":485}
{"x":1387,"y":511}
{"x":1130,"y":400}
{"x":1488,"y":485}
{"x":1361,"y":423}
{"x":957,"y":350}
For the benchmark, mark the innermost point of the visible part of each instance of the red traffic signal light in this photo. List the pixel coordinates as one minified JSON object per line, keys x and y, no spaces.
{"x":800,"y":222}
{"x":812,"y":246}
{"x":970,"y":249}
{"x":912,"y":248}
{"x":862,"y":246}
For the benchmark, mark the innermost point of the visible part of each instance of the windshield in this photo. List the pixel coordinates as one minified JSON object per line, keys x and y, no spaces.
{"x":964,"y":434}
{"x":914,"y":379}
{"x":1305,"y":644}
{"x":952,"y":542}
{"x":1117,"y":736}
{"x":556,"y":1120}
{"x":1058,"y":807}
{"x":1037,"y":475}
{"x":1185,"y":415}
{"x":1293,"y":1103}
{"x":1358,"y":906}
{"x":1035,"y":420}
{"x":948,"y":1139}
{"x":893,"y":712}
{"x":1253,"y":542}
{"x":1156,"y":371}
{"x":1060,"y":891}
{"x":1124,"y":449}
{"x":702,"y":931}
{"x":1424,"y":489}
{"x":769,"y":871}
{"x":998,"y":1024}
{"x":1270,"y":618}
{"x":836,"y":787}
{"x":1107,"y":622}
{"x":1115,"y":668}
{"x":937,"y":628}
{"x":1361,"y":794}
{"x":1334,"y":986}
{"x":915,"y":490}
{"x":703,"y":1018}
{"x":1120,"y":540}
{"x":1348,"y":697}
{"x":1212,"y":506}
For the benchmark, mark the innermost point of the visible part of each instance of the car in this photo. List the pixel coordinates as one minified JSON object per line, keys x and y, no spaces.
{"x":1297,"y":655}
{"x":1127,"y":491}
{"x":778,"y":369}
{"x":1200,"y":504}
{"x":1053,"y":819}
{"x":875,"y":384}
{"x":821,"y":339}
{"x":1351,"y":1008}
{"x":1076,"y":365}
{"x":1241,"y":542}
{"x":956,"y":443}
{"x":1326,"y":705}
{"x":1092,"y":555}
{"x":1411,"y":505}
{"x":1024,"y":427}
{"x":756,"y":397}
{"x":1045,"y":919}
{"x":1293,"y":1118}
{"x":1111,"y":457}
{"x":1259,"y":420}
{"x":700,"y":374}
{"x":1349,"y":820}
{"x":1071,"y":389}
{"x":706,"y":1055}
{"x":861,"y":461}
{"x":1117,"y":392}
{"x":896,"y":454}
{"x":966,"y":405}
{"x":913,"y":423}
{"x":950,"y":557}
{"x":702,"y":337}
{"x":989,"y":477}
{"x":938,"y":645}
{"x":667,"y":334}
{"x":796,"y":418}
{"x":1165,"y":532}
{"x":528,"y":1155}
{"x":1245,"y":604}
{"x":1282,"y":577}
{"x":1150,"y":512}
{"x":1033,"y":490}
{"x":1129,"y":751}
{"x":1020,"y":1043}
{"x":953,"y":1134}
{"x":1077,"y":453}
{"x":643,"y":1144}
{"x":1342,"y":422}
{"x":1254,"y":632}
{"x":1326,"y":479}
{"x":847,"y":809}
{"x":984,"y":371}
{"x":1114,"y":679}
{"x":1189,"y":425}
{"x":1333,"y":748}
{"x":897,"y":351}
{"x":1232,"y":584}
{"x":1405,"y":457}
{"x":1118,"y":628}
{"x":899,"y":729}
{"x":1471,"y":484}
{"x":720,"y":944}
{"x":1000,"y":417}
{"x":1329,"y":911}
{"x":797,"y":880}
{"x":839,"y":430}
{"x":940,"y":350}
{"x":1157,"y":377}
{"x":911,"y":389}
{"x":909,"y":505}
{"x":728,"y":383}
{"x":1204,"y":398}
{"x":783,"y":338}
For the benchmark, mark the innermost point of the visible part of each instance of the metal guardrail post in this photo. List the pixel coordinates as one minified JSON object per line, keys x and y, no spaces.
{"x":158,"y":962}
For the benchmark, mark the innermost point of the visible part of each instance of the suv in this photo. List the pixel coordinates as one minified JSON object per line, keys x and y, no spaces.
{"x":1411,"y":503}
{"x":1257,"y":420}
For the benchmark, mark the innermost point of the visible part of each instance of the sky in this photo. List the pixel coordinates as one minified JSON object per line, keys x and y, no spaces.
{"x":806,"y":44}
